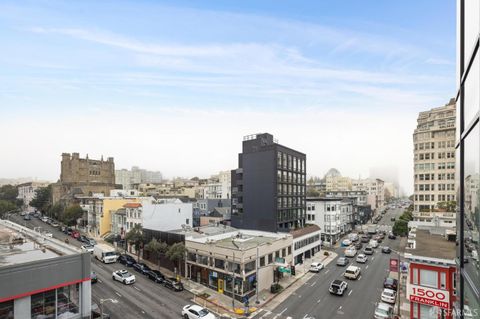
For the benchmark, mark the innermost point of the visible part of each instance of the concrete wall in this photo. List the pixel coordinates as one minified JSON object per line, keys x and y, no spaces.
{"x":168,"y":216}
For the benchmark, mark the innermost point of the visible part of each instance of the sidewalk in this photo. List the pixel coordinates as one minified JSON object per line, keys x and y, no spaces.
{"x":222,"y":304}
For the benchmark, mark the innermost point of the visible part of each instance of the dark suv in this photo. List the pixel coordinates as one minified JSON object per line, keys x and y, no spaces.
{"x":390,"y":283}
{"x":126,"y":260}
{"x":173,"y":284}
{"x":155,"y":276}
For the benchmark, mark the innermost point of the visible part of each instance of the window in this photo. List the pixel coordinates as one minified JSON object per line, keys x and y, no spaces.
{"x":250,"y":266}
{"x":262,"y":261}
{"x":284,"y":252}
{"x":43,"y":304}
{"x":7,"y":310}
{"x":428,"y":278}
{"x":270,"y":258}
{"x":67,"y":301}
{"x":219,"y":263}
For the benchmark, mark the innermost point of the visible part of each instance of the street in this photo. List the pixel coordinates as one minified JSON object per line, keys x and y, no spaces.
{"x":313,"y":299}
{"x":144,"y":299}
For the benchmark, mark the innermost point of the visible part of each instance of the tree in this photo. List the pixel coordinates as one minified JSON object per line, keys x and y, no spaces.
{"x":176,"y":252}
{"x":400,"y":227}
{"x":71,"y":215}
{"x":43,"y":199}
{"x":6,"y":206}
{"x":9,"y":193}
{"x":157,"y":247}
{"x":56,"y":211}
{"x":136,"y":239}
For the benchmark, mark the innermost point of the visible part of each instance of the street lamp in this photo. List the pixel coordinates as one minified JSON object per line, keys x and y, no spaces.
{"x":101,"y":305}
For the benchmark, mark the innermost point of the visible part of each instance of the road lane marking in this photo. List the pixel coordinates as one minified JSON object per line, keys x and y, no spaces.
{"x":313,"y":284}
{"x":326,"y":271}
{"x":143,"y":312}
{"x":118,"y":294}
{"x":299,"y":296}
{"x":366,"y":267}
{"x":340,"y":308}
{"x":318,"y":301}
{"x":100,"y":281}
{"x":350,"y":292}
{"x":359,"y":277}
{"x":136,"y":288}
{"x":373,"y":258}
{"x":281,"y":313}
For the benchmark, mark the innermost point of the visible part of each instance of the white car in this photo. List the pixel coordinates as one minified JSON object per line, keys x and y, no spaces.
{"x":373,"y":243}
{"x":316,"y":267}
{"x":54,"y":224}
{"x":346,"y":242}
{"x":362,"y":258}
{"x":196,"y":312}
{"x":44,"y":219}
{"x":123,"y":276}
{"x":338,"y":287}
{"x":88,"y":248}
{"x":389,"y":296}
{"x":350,"y":252}
{"x":48,"y":234}
{"x":383,"y":311}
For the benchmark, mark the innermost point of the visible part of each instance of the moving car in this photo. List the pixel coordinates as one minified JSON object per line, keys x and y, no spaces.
{"x":173,"y":284}
{"x":373,"y":243}
{"x":141,"y":268}
{"x":196,"y":312}
{"x":390,"y":283}
{"x":155,"y":276}
{"x":27,"y":217}
{"x":88,"y":248}
{"x":126,"y":260}
{"x":338,"y":287}
{"x":368,"y":250}
{"x":383,"y":311}
{"x":361,"y":258}
{"x":391,"y":236}
{"x":364,"y":239}
{"x":350,"y":251}
{"x":392,"y":219}
{"x":316,"y":267}
{"x":352,"y":272}
{"x":386,"y":250}
{"x":358,"y":245}
{"x":346,"y":242}
{"x":123,"y":276}
{"x":342,"y":261}
{"x":389,"y":296}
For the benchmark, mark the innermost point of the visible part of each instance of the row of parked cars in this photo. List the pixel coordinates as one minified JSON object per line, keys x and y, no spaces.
{"x":154,"y":275}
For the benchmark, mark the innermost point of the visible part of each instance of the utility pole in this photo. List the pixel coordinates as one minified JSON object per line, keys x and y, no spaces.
{"x":399,"y":284}
{"x":256,"y":277}
{"x":233,"y":281}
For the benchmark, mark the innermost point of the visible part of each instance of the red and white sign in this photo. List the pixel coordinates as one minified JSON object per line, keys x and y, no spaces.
{"x":393,"y":265}
{"x":428,"y":296}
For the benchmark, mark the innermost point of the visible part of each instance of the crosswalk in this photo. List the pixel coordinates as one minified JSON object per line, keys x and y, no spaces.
{"x":266,"y":314}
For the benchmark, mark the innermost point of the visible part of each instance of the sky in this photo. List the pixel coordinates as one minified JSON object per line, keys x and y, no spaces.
{"x":175,"y":85}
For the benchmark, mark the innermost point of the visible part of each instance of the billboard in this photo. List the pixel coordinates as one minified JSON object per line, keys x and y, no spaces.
{"x":428,"y":296}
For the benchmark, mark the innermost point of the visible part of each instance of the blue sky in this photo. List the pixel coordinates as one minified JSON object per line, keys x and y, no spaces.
{"x":323,"y":75}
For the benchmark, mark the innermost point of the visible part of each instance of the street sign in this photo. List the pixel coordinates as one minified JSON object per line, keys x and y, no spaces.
{"x":393,"y":265}
{"x":284,"y":269}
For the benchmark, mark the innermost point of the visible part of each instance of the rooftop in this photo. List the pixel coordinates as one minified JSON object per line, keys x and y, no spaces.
{"x":304,"y":231}
{"x":432,"y":246}
{"x":21,"y":245}
{"x":132,"y":205}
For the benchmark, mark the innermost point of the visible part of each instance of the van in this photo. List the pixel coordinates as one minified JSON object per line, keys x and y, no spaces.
{"x":352,"y":272}
{"x":373,"y":243}
{"x":105,"y":253}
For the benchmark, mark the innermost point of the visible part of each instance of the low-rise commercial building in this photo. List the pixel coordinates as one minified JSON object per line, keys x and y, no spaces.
{"x":167,"y":214}
{"x":234,"y":262}
{"x":431,"y":284}
{"x":42,"y":277}
{"x":306,"y":243}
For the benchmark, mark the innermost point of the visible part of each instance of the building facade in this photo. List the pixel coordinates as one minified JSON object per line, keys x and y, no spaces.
{"x":26,"y":193}
{"x":269,"y":187}
{"x":434,"y":157}
{"x":129,"y":178}
{"x":219,"y":186}
{"x":375,"y":190}
{"x":167,"y":214}
{"x":83,"y":176}
{"x":42,"y":277}
{"x":306,"y":243}
{"x":468,"y":158}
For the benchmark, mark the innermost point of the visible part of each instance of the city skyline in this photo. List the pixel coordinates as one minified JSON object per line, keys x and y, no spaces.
{"x":335,"y":80}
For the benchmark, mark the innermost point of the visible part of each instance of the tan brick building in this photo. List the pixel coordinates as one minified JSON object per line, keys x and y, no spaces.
{"x":83,"y":176}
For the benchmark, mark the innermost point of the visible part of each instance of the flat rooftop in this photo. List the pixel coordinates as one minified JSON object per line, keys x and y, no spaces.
{"x":232,"y":238}
{"x":433,"y":245}
{"x":19,"y":245}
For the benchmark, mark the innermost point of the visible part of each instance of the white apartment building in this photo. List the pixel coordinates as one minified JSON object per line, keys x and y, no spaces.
{"x":218,"y":186}
{"x":334,"y":216}
{"x":434,"y":157}
{"x":374,"y":188}
{"x":129,"y":178}
{"x":26,"y":192}
{"x":167,"y":214}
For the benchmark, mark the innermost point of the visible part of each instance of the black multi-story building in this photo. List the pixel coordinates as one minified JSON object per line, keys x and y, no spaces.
{"x":467,"y":303}
{"x":269,"y":187}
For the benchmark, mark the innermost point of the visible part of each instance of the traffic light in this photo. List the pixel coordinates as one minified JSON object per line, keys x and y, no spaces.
{"x":292,"y":270}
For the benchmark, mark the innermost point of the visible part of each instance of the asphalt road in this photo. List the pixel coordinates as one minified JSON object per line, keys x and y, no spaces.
{"x":144,"y":299}
{"x":313,"y":300}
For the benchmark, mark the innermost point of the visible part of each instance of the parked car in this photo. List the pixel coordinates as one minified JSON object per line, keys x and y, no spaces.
{"x":316,"y":267}
{"x":68,"y":231}
{"x":338,"y":287}
{"x":92,"y":241}
{"x":389,"y":296}
{"x":383,"y":311}
{"x":173,"y":284}
{"x":93,"y":277}
{"x":390,"y":283}
{"x":392,"y":219}
{"x":361,"y":258}
{"x":392,"y":236}
{"x":44,"y":219}
{"x":83,"y":239}
{"x":155,"y":276}
{"x":47,"y":234}
{"x":368,"y":250}
{"x":23,"y":213}
{"x":75,"y":234}
{"x":141,"y":268}
{"x":88,"y":248}
{"x":123,"y":276}
{"x":127,"y":260}
{"x":386,"y":250}
{"x":196,"y":312}
{"x":27,"y":217}
{"x":342,"y":261}
{"x":54,"y":224}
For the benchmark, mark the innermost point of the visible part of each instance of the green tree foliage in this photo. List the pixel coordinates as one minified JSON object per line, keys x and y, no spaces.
{"x":449,"y":206}
{"x":43,"y":199}
{"x":56,"y":211}
{"x":176,"y":253}
{"x":157,"y":247}
{"x":400,"y":227}
{"x":9,"y":193}
{"x":6,"y":206}
{"x":136,"y":239}
{"x":71,"y":215}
